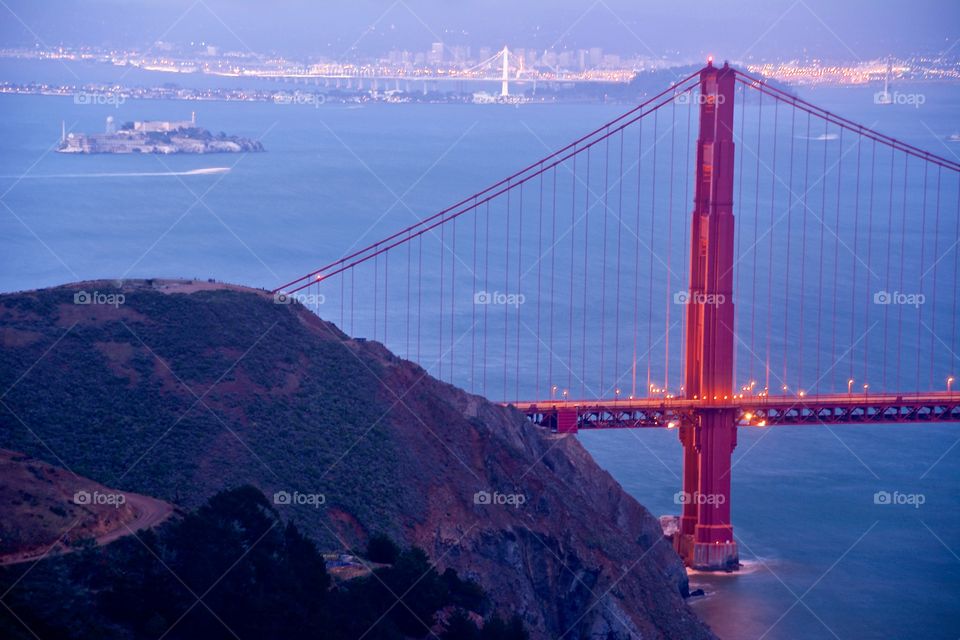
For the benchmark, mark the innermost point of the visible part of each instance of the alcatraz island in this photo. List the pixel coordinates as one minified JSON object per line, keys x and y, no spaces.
{"x":155,"y":136}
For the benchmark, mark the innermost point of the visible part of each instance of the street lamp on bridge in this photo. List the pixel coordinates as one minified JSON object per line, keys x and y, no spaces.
{"x":850,"y":386}
{"x":949,"y":383}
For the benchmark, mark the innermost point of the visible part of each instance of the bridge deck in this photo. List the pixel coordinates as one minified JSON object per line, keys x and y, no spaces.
{"x":750,"y":410}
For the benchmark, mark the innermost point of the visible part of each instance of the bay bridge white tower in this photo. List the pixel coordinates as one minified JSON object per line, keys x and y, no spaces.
{"x":505,"y":77}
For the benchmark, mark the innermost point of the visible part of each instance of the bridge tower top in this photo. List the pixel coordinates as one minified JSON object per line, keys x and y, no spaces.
{"x":710,"y":317}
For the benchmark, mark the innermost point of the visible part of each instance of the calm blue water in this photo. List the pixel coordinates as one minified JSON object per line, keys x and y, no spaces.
{"x":335,"y":177}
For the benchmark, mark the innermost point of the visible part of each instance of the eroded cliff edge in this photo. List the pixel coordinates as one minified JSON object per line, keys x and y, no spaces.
{"x":185,"y":388}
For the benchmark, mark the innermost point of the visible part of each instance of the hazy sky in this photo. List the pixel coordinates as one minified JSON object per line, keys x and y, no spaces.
{"x":766,"y":29}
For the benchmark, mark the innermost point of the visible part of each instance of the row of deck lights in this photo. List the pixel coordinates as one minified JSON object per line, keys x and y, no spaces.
{"x":746,"y":389}
{"x":747,"y":416}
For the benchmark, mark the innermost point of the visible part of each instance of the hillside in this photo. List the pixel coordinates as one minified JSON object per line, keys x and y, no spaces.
{"x":47,"y":510}
{"x":186,"y":389}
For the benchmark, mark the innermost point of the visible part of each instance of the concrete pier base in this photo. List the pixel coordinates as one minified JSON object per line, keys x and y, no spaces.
{"x":715,"y":556}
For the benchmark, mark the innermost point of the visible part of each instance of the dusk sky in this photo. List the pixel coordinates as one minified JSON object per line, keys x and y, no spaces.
{"x":685,"y":29}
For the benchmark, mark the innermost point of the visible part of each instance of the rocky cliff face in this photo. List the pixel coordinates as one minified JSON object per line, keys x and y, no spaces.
{"x":184,"y":389}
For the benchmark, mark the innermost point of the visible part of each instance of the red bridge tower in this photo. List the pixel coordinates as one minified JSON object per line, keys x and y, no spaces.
{"x":706,"y":536}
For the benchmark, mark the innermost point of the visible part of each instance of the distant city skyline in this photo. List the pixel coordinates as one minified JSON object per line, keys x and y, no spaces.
{"x":443,"y":62}
{"x":749,"y":30}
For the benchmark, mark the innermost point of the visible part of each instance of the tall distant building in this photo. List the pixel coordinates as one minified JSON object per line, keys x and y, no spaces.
{"x":582,"y":59}
{"x":611,"y":61}
{"x":596,"y":56}
{"x":459,"y":54}
{"x":436,"y":54}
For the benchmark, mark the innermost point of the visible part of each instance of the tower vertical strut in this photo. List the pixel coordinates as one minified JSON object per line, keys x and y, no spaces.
{"x":706,"y":535}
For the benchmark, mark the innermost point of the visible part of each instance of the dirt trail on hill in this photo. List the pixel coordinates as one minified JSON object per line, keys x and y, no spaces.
{"x":150,"y":512}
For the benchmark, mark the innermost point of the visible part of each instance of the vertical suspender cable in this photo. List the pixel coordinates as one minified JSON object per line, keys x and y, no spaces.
{"x":786,"y":269}
{"x":553,"y":262}
{"x":409,"y":272}
{"x":442,"y":250}
{"x":419,"y":295}
{"x":506,"y":288}
{"x":473,"y":307}
{"x":453,"y":293}
{"x":956,"y":268}
{"x":868,"y":298}
{"x":803,"y":253}
{"x":737,"y":262}
{"x":756,"y":225}
{"x":923,"y":247}
{"x":517,"y":292}
{"x":903,"y":235}
{"x":602,"y":391}
{"x":823,"y":215}
{"x":933,"y":293}
{"x":853,"y":279}
{"x":836,"y":256}
{"x":667,"y":299}
{"x":617,"y":298}
{"x":573,"y":226}
{"x":386,"y":291}
{"x":773,"y":200}
{"x":486,"y":285}
{"x":586,"y":265}
{"x":636,"y":265}
{"x":684,"y":256}
{"x":886,"y":277}
{"x":536,"y":381}
{"x":653,"y":206}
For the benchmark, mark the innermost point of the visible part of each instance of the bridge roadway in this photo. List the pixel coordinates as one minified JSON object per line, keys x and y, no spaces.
{"x":569,"y":416}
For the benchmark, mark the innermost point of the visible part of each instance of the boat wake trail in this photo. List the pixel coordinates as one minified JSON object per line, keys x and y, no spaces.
{"x":137,"y":174}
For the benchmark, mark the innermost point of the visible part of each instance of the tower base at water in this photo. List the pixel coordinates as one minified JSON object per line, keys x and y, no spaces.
{"x":715,"y":556}
{"x":703,"y":556}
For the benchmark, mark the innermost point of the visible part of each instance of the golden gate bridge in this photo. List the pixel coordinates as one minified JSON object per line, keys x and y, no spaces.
{"x":813,"y":282}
